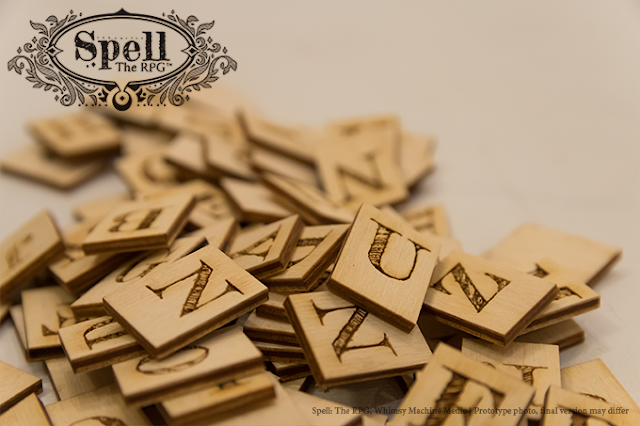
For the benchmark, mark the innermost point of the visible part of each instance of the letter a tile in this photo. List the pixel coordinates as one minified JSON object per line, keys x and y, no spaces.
{"x":177,"y":303}
{"x":485,"y":299}
{"x":346,"y":344}
{"x":384,"y":267}
{"x":140,"y":225}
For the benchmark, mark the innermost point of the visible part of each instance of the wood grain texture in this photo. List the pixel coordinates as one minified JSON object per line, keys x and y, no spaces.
{"x":252,"y":202}
{"x":432,"y":219}
{"x":291,"y":141}
{"x":94,"y":210}
{"x":33,"y":163}
{"x":217,"y":399}
{"x":96,"y":343}
{"x":535,"y":364}
{"x":101,"y":406}
{"x":275,"y":352}
{"x":486,"y":299}
{"x":46,"y":310}
{"x":588,"y":260}
{"x":223,"y":355}
{"x":593,"y":378}
{"x":146,"y":171}
{"x":269,"y":330}
{"x":77,"y":136}
{"x":452,"y":382}
{"x":68,"y":384}
{"x":416,"y":157}
{"x":314,"y":205}
{"x":219,"y":234}
{"x":129,"y":273}
{"x":186,"y":153}
{"x":16,"y":385}
{"x":565,"y":334}
{"x":384,"y":266}
{"x":226,"y":158}
{"x":334,"y":414}
{"x":27,"y":412}
{"x":574,"y":296}
{"x":316,"y":249}
{"x":266,"y":161}
{"x":17,"y":316}
{"x":358,"y":161}
{"x":27,"y":251}
{"x":566,"y":408}
{"x":278,"y":411}
{"x":176,"y":304}
{"x":267,"y":250}
{"x":274,"y":307}
{"x":347,"y":344}
{"x":140,"y":225}
{"x":286,"y":370}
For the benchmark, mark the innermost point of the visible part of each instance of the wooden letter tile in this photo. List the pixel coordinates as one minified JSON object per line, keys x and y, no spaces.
{"x":316,"y":249}
{"x":346,"y":344}
{"x":25,"y":252}
{"x":97,"y":343}
{"x":574,"y":296}
{"x":252,"y":202}
{"x":588,"y":260}
{"x":77,"y":136}
{"x":594,"y":379}
{"x":218,"y":399}
{"x":187,"y":154}
{"x":265,"y":161}
{"x":94,"y":210}
{"x":536,"y":365}
{"x":564,"y":334}
{"x":46,"y":310}
{"x":140,"y":225}
{"x":566,"y":408}
{"x":224,"y":355}
{"x":485,"y":299}
{"x":452,"y":387}
{"x":267,"y":250}
{"x":16,"y":385}
{"x":34,"y":164}
{"x":416,"y":157}
{"x":219,"y":234}
{"x":225,"y":158}
{"x":69,"y":384}
{"x":270,"y":330}
{"x":177,"y":304}
{"x":146,"y":171}
{"x":287,"y":370}
{"x":103,"y":406}
{"x":275,"y":352}
{"x":90,"y":303}
{"x":431,"y":219}
{"x":28,"y":412}
{"x":384,"y":267}
{"x":274,"y":307}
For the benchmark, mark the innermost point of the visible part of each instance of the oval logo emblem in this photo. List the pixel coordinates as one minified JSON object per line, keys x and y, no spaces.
{"x":122,"y":59}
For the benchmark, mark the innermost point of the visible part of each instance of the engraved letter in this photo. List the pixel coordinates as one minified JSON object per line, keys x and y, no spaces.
{"x":380,"y":246}
{"x":114,"y":335}
{"x":183,"y":359}
{"x":137,"y":222}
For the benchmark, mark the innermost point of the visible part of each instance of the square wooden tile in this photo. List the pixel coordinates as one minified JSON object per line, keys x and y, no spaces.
{"x":347,"y":344}
{"x":252,"y":202}
{"x":431,"y":219}
{"x":565,"y":334}
{"x":416,"y":157}
{"x":27,"y":412}
{"x":140,"y":225}
{"x":225,"y":158}
{"x":485,"y":299}
{"x":270,"y":330}
{"x":384,"y":266}
{"x":16,"y":386}
{"x":27,"y":251}
{"x":146,"y":171}
{"x":186,"y":153}
{"x":176,"y":304}
{"x":266,"y":161}
{"x":223,"y":355}
{"x":68,"y":384}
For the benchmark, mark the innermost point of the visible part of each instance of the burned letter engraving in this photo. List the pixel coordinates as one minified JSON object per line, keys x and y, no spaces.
{"x":373,"y":180}
{"x":194,"y":355}
{"x":379,"y":246}
{"x":14,"y":254}
{"x":91,"y":342}
{"x":527,"y":372}
{"x":252,"y":250}
{"x":103,"y":420}
{"x":137,"y":222}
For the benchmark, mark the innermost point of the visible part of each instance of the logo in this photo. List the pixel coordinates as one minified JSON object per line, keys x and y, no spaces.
{"x":122,"y":59}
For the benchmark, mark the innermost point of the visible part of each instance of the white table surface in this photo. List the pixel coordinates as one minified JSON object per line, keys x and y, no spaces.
{"x":535,"y":104}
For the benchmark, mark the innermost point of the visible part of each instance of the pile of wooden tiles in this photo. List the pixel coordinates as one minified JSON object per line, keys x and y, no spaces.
{"x":242,"y":242}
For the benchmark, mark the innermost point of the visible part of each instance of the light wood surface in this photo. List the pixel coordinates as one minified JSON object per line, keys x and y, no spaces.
{"x":279,"y":353}
{"x":593,"y":378}
{"x":17,"y":316}
{"x":588,"y":260}
{"x":564,"y":334}
{"x":46,"y":310}
{"x":316,"y":249}
{"x":452,"y":382}
{"x":186,"y":153}
{"x":321,"y":412}
{"x":274,"y":307}
{"x":269,"y":330}
{"x":140,"y":225}
{"x":77,"y":136}
{"x":566,"y":408}
{"x":218,"y":399}
{"x":221,"y":356}
{"x":146,"y":171}
{"x":384,"y":266}
{"x":95,"y":209}
{"x":266,"y":161}
{"x":101,"y":406}
{"x":225,"y":158}
{"x":28,"y":412}
{"x":535,"y":364}
{"x":96,"y":343}
{"x":130,"y":272}
{"x":26,"y":251}
{"x":287,"y":370}
{"x":346,"y":344}
{"x":219,"y":233}
{"x":16,"y":386}
{"x":173,"y":306}
{"x":33,"y":163}
{"x":267,"y":250}
{"x":486,"y":299}
{"x":416,"y":157}
{"x":68,"y":384}
{"x":252,"y":202}
{"x":358,"y":161}
{"x":433,"y":219}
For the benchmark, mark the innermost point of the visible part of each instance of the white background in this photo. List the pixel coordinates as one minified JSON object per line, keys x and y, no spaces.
{"x":535,"y":104}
